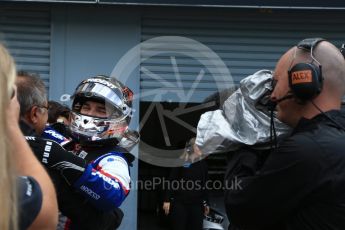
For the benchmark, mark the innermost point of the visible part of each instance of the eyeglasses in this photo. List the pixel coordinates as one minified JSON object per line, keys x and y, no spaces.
{"x":43,"y":107}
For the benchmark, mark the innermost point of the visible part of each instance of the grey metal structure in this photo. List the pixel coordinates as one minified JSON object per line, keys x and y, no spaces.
{"x":26,"y":33}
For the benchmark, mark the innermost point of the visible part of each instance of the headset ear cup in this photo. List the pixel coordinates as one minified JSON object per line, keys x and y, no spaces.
{"x":305,"y":80}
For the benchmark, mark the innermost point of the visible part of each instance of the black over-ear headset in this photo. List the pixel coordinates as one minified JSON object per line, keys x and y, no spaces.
{"x":305,"y":79}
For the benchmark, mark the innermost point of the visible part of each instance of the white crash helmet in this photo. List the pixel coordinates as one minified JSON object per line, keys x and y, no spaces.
{"x":117,"y":99}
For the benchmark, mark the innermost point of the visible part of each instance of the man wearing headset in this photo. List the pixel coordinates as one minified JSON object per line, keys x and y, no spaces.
{"x":301,"y":184}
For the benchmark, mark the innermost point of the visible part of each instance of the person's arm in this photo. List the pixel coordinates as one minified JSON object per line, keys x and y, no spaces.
{"x":105,"y":182}
{"x":169,"y":193}
{"x":262,"y":197}
{"x":66,"y":168}
{"x":28,"y":165}
{"x":109,"y":180}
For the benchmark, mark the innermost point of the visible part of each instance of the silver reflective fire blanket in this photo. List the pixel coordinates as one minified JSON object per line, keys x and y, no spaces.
{"x":244,"y":118}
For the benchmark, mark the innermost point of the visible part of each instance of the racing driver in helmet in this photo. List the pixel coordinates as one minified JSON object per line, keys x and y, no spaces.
{"x":99,"y":120}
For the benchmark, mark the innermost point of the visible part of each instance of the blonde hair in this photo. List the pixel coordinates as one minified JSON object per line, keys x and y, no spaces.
{"x":8,"y":195}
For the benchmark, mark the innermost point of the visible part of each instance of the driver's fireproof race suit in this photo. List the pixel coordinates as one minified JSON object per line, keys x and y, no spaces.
{"x":90,"y":187}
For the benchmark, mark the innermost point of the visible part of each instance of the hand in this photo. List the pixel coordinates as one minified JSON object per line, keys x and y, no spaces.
{"x":206,"y":210}
{"x":166,"y":207}
{"x":197,"y":151}
{"x":192,"y":154}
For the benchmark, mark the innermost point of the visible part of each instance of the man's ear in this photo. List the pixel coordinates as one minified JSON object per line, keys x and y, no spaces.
{"x":33,"y":114}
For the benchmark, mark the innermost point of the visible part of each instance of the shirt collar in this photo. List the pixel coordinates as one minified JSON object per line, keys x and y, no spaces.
{"x":305,"y":124}
{"x":27,"y":129}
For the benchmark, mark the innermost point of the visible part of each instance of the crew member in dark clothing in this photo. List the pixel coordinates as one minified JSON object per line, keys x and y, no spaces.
{"x":186,"y":195}
{"x":301,"y":184}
